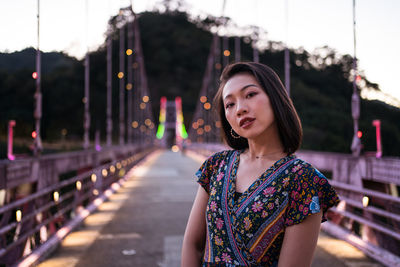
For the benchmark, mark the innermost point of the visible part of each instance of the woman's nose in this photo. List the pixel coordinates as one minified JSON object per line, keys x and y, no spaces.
{"x":241,"y":108}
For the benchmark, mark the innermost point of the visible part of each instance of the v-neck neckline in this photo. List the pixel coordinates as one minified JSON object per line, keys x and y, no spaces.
{"x":265,"y":173}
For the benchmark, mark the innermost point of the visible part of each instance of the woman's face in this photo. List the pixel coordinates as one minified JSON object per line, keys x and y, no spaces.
{"x":247,"y":107}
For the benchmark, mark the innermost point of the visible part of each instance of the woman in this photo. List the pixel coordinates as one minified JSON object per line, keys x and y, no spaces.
{"x":258,"y":204}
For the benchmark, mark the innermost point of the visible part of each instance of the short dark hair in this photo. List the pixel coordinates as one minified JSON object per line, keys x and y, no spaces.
{"x":287,"y":120}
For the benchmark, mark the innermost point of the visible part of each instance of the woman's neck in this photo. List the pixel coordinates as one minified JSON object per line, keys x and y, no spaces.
{"x":266,"y":146}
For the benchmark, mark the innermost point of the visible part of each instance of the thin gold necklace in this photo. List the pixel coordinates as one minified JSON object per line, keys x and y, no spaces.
{"x":269,"y":154}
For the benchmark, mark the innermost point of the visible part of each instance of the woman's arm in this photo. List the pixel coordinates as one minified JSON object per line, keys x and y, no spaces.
{"x":195,"y":234}
{"x":299,"y":242}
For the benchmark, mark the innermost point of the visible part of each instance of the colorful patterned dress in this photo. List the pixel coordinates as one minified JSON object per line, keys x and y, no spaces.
{"x":248,"y":230}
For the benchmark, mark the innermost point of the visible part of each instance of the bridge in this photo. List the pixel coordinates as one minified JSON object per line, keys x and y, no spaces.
{"x":126,"y":204}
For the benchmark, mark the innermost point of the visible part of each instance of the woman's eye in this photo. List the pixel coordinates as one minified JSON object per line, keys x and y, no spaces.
{"x":251,"y":94}
{"x":228,"y":105}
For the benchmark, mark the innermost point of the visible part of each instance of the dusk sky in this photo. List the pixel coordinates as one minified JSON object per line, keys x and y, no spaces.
{"x":311,"y":24}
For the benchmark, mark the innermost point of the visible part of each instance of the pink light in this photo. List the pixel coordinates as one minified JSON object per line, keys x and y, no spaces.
{"x":377,"y":124}
{"x":10,"y":155}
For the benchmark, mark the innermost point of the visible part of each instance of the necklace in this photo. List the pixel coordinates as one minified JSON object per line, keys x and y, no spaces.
{"x":261,"y":156}
{"x":265,"y":155}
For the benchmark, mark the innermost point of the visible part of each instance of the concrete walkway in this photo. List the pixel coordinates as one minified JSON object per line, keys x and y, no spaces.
{"x":143,"y":223}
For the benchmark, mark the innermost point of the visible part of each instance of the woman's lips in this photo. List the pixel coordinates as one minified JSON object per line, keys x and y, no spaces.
{"x":247,"y":123}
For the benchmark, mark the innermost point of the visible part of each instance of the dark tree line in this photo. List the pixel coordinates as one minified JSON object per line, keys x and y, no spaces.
{"x":175,"y":49}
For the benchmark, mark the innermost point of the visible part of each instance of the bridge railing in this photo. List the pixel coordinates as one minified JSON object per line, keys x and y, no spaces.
{"x":368,"y":219}
{"x":29,"y":222}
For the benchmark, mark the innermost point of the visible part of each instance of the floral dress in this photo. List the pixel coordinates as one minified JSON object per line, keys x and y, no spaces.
{"x":248,"y":229}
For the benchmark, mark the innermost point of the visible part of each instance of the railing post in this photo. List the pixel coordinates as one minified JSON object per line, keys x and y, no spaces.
{"x":121,"y":76}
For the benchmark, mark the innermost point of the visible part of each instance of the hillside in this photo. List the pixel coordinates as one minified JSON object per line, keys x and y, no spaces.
{"x":175,"y":52}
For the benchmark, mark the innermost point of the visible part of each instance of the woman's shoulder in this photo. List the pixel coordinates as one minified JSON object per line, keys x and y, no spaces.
{"x":221,"y":155}
{"x":305,"y":169}
{"x":211,"y":166}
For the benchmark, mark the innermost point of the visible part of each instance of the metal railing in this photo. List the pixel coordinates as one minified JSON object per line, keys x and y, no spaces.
{"x":27,"y":223}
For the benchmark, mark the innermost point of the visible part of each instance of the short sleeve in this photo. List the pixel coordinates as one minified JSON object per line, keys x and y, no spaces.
{"x":310,"y":193}
{"x":207,"y":170}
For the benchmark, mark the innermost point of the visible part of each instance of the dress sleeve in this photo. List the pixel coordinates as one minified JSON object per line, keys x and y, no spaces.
{"x":207,"y":170}
{"x":310,"y":193}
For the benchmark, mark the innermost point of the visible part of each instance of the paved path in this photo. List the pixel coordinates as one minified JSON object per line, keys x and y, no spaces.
{"x":143,"y":223}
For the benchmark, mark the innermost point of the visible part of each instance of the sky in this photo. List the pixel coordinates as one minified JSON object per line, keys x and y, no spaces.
{"x":67,"y":25}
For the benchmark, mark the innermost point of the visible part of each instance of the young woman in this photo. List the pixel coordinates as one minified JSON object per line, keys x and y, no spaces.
{"x":258,"y":204}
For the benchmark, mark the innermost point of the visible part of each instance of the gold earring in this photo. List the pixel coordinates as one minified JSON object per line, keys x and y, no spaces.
{"x":234,"y":135}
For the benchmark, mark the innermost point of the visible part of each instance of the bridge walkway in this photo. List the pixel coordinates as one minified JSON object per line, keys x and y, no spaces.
{"x":143,"y":223}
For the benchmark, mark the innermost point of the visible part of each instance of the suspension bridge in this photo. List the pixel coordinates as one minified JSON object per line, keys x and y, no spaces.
{"x":127,"y":204}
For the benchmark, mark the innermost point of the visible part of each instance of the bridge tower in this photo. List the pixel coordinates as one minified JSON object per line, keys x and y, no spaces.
{"x":136,"y":121}
{"x":171,"y":130}
{"x":205,"y":125}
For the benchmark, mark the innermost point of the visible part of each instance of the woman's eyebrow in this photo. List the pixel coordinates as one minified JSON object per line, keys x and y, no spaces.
{"x":241,"y":90}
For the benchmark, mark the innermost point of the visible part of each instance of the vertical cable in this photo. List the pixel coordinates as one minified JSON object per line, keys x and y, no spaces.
{"x":38,"y":95}
{"x":86,"y":118}
{"x":355,"y":98}
{"x":121,"y":76}
{"x":287,"y":55}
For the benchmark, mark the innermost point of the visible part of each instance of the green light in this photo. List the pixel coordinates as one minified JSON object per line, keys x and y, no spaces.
{"x":183,"y":132}
{"x":160,"y":131}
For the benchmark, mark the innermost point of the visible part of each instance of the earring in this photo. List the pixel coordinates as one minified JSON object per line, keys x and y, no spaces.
{"x":234,"y":135}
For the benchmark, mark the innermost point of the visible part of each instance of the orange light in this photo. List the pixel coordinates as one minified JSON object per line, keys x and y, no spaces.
{"x":200,"y":131}
{"x":142,"y":105}
{"x":207,"y":128}
{"x":128,"y":86}
{"x":218,"y":124}
{"x":207,"y":106}
{"x":203,"y":99}
{"x":218,"y":66}
{"x":227,"y":53}
{"x":195,"y":126}
{"x":145,"y":99}
{"x":129,"y":52}
{"x":34,"y":75}
{"x":359,"y":134}
{"x":34,"y":134}
{"x":120,"y":75}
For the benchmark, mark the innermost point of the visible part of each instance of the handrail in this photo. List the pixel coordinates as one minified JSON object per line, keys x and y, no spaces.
{"x":366,"y":222}
{"x":364,"y":191}
{"x":43,"y":192}
{"x":370,"y":209}
{"x":67,"y":201}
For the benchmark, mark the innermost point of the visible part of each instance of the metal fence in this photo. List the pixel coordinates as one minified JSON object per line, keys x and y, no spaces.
{"x":29,"y":222}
